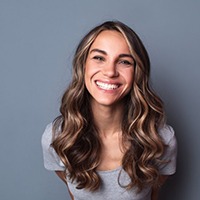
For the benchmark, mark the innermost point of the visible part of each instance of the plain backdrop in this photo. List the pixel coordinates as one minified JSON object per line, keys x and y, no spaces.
{"x":37,"y":42}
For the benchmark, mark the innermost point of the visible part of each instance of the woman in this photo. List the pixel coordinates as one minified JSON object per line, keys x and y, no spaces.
{"x":111,"y":140}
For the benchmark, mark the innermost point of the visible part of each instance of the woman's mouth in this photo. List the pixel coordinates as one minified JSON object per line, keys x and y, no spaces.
{"x":107,"y":86}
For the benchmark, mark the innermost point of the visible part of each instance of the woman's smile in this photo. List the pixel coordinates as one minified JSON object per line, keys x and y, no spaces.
{"x":107,"y":86}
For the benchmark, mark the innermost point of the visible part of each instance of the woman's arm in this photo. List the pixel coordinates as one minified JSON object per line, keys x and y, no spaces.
{"x":62,"y":176}
{"x":155,"y":189}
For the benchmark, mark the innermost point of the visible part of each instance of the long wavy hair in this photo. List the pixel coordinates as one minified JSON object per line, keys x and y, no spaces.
{"x":76,"y":138}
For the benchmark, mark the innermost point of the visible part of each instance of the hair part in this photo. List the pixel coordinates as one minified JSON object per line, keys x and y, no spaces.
{"x":77,"y":142}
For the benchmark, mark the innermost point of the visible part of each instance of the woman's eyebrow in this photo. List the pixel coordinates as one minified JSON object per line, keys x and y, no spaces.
{"x":126,"y":55}
{"x":99,"y":51}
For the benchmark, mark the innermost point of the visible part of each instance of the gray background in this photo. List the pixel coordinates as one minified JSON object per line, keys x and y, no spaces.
{"x":37,"y":42}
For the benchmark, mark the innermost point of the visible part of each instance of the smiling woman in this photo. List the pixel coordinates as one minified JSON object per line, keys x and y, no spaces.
{"x":111,"y":140}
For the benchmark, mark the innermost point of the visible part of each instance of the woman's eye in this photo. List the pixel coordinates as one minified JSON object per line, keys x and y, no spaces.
{"x":125,"y":62}
{"x":98,"y":58}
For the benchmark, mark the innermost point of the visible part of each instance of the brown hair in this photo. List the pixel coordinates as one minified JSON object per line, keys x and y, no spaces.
{"x":77,"y":142}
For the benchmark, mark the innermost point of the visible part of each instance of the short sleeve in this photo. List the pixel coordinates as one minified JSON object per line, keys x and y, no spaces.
{"x":51,"y":159}
{"x":170,"y":153}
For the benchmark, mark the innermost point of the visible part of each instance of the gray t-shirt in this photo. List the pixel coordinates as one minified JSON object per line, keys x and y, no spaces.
{"x":110,"y":188}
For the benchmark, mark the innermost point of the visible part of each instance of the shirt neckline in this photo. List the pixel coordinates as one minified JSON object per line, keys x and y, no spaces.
{"x":109,"y":171}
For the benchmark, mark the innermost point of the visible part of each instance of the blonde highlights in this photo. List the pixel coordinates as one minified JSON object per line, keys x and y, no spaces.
{"x":76,"y":138}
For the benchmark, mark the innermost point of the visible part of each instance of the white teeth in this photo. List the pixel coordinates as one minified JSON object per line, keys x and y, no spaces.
{"x":107,"y":86}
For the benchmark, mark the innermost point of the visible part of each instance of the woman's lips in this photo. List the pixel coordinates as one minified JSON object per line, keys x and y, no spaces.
{"x":107,"y":86}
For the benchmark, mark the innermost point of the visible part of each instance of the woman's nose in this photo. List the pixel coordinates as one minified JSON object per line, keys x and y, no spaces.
{"x":110,"y":70}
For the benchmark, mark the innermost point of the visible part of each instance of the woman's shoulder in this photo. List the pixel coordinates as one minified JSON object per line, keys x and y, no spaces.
{"x":47,"y":135}
{"x":167,"y":133}
{"x":51,"y":159}
{"x":48,"y":131}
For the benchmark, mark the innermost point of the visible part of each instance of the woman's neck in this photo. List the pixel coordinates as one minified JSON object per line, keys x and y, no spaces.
{"x":108,"y":118}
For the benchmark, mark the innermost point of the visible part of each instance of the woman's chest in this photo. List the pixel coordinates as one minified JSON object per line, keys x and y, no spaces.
{"x":111,"y":188}
{"x":111,"y":155}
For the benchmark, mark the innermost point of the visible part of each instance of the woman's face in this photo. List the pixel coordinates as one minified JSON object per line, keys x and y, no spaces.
{"x":109,"y":69}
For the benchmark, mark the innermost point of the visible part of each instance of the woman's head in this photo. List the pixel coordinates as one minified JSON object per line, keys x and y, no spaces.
{"x":137,"y":50}
{"x":109,"y":70}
